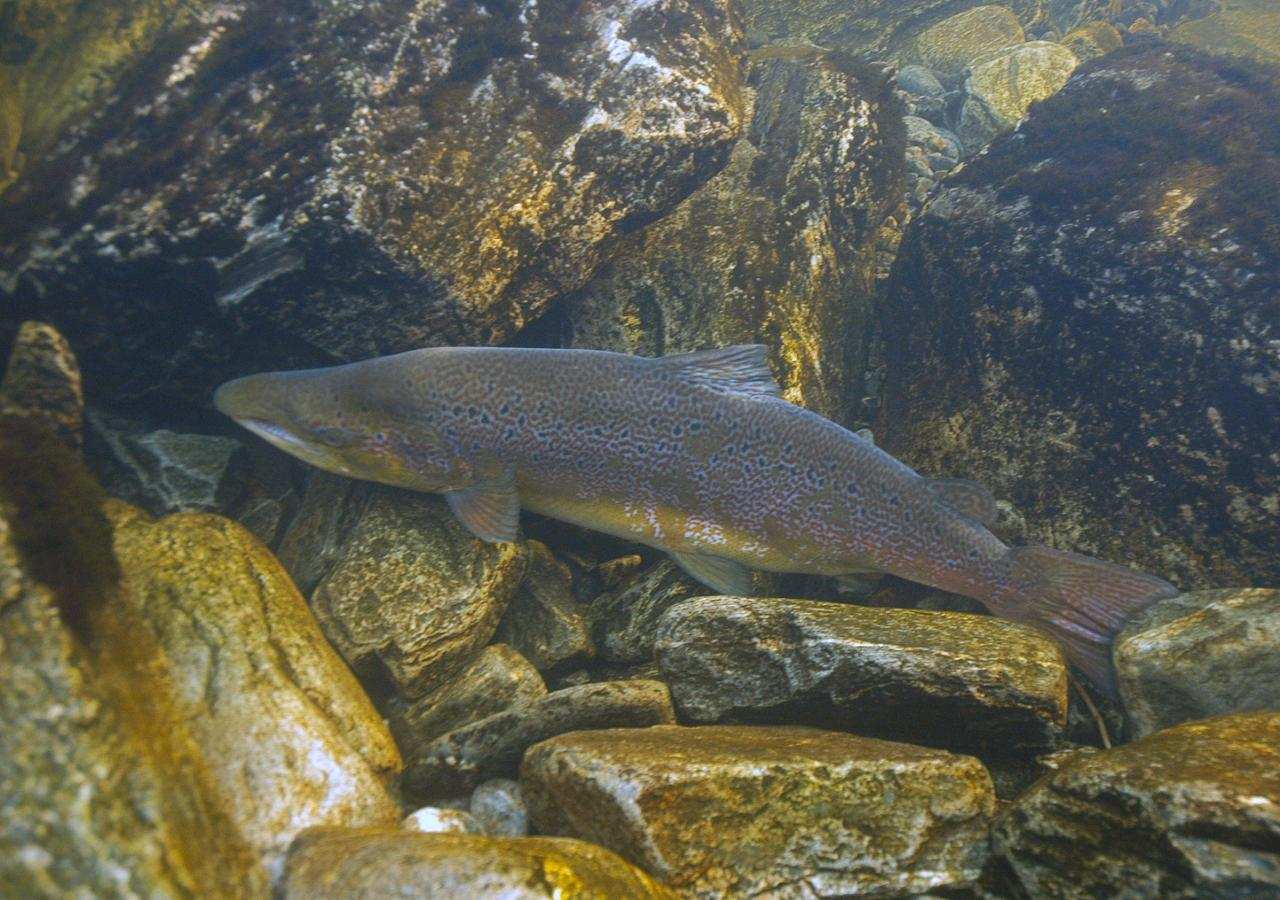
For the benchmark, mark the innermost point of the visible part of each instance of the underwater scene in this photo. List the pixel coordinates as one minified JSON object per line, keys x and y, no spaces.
{"x":639,"y":449}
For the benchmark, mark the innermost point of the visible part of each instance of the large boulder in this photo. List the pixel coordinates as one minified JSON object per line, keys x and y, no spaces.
{"x":1002,"y":86}
{"x":950,"y":46}
{"x":946,"y":679}
{"x":172,"y":715}
{"x":371,"y":862}
{"x":1083,"y":318}
{"x":317,"y":181}
{"x":1239,"y":27}
{"x":1192,"y":811}
{"x":783,"y":812}
{"x":42,"y":381}
{"x":1198,"y":655}
{"x":778,"y":248}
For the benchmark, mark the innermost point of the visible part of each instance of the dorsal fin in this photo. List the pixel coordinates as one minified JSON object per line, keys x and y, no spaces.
{"x":741,"y":369}
{"x":967,"y":497}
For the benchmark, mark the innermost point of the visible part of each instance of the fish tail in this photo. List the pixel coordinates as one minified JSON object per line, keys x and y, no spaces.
{"x":1081,"y":601}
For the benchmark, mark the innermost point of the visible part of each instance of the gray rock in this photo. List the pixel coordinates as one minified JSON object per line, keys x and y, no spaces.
{"x":1192,"y":811}
{"x":313,"y":540}
{"x":945,"y":679}
{"x":1200,"y":654}
{"x":934,"y":140}
{"x":493,"y":746}
{"x":497,"y":678}
{"x":544,"y":621}
{"x":413,"y":595}
{"x":338,"y":864}
{"x":624,"y":620}
{"x":919,"y":81}
{"x":498,"y":807}
{"x":779,"y":812}
{"x":42,"y":382}
{"x":1009,"y":324}
{"x":164,"y":471}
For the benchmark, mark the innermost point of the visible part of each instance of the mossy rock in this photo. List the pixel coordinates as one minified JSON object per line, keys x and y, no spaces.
{"x":1249,"y":28}
{"x":1080,"y":318}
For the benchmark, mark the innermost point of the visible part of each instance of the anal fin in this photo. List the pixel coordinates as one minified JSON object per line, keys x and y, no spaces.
{"x":490,"y":509}
{"x":724,"y":576}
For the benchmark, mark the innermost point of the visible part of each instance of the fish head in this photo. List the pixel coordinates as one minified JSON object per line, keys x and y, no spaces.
{"x":337,"y":420}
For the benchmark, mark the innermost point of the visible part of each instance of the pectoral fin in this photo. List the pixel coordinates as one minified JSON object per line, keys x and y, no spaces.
{"x":722,"y":575}
{"x":967,"y":497}
{"x":490,"y":509}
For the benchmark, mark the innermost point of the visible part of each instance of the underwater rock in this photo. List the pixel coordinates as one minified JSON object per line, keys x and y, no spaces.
{"x":883,"y":28}
{"x":1093,"y":40}
{"x":544,"y":621}
{"x":171,"y":714}
{"x":946,"y":679}
{"x":100,"y":797}
{"x":497,"y":678}
{"x":499,"y":808}
{"x":950,"y":46}
{"x":624,"y":620}
{"x":1002,"y":86}
{"x":42,"y":381}
{"x":1199,"y":655}
{"x":161,"y":470}
{"x":288,"y":736}
{"x":778,"y":248}
{"x":1249,"y":28}
{"x":413,"y":595}
{"x":1192,"y":811}
{"x":433,"y":820}
{"x":1047,"y":329}
{"x":282,"y":185}
{"x":785,"y":812}
{"x":493,"y":746}
{"x":331,"y":863}
{"x":313,"y":541}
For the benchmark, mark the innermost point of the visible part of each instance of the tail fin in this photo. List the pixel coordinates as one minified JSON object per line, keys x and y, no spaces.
{"x":1083,"y":602}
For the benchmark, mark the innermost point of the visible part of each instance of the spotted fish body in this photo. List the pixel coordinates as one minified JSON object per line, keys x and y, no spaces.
{"x":694,"y":454}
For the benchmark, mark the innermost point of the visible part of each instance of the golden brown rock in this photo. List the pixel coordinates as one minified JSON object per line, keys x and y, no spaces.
{"x":788,"y":812}
{"x":948,"y":47}
{"x":1192,"y":811}
{"x":288,"y":736}
{"x":373,"y":863}
{"x":42,"y":381}
{"x":1239,"y":27}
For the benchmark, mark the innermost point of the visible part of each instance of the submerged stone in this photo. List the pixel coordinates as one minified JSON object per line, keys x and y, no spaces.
{"x":42,"y":381}
{"x":493,"y":746}
{"x":625,"y":619}
{"x":1199,"y":655}
{"x":497,"y":678}
{"x":1002,"y":87}
{"x":341,"y":863}
{"x":1045,"y":327}
{"x":544,"y":621}
{"x":941,"y":678}
{"x":499,"y":808}
{"x":413,"y":595}
{"x":1192,"y":811}
{"x":785,"y":812}
{"x":951,"y":45}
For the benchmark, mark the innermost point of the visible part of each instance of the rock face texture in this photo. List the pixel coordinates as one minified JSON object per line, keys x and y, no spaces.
{"x":545,"y":622}
{"x":1001,"y":87}
{"x":625,"y":619}
{"x":1082,"y":318}
{"x":1200,"y":654}
{"x":787,"y":812}
{"x":946,"y":679}
{"x":172,"y":715}
{"x":1192,"y":811}
{"x":949,"y":46}
{"x":413,"y":595}
{"x":320,"y":181}
{"x":778,"y":248}
{"x":369,"y":863}
{"x":494,"y":745}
